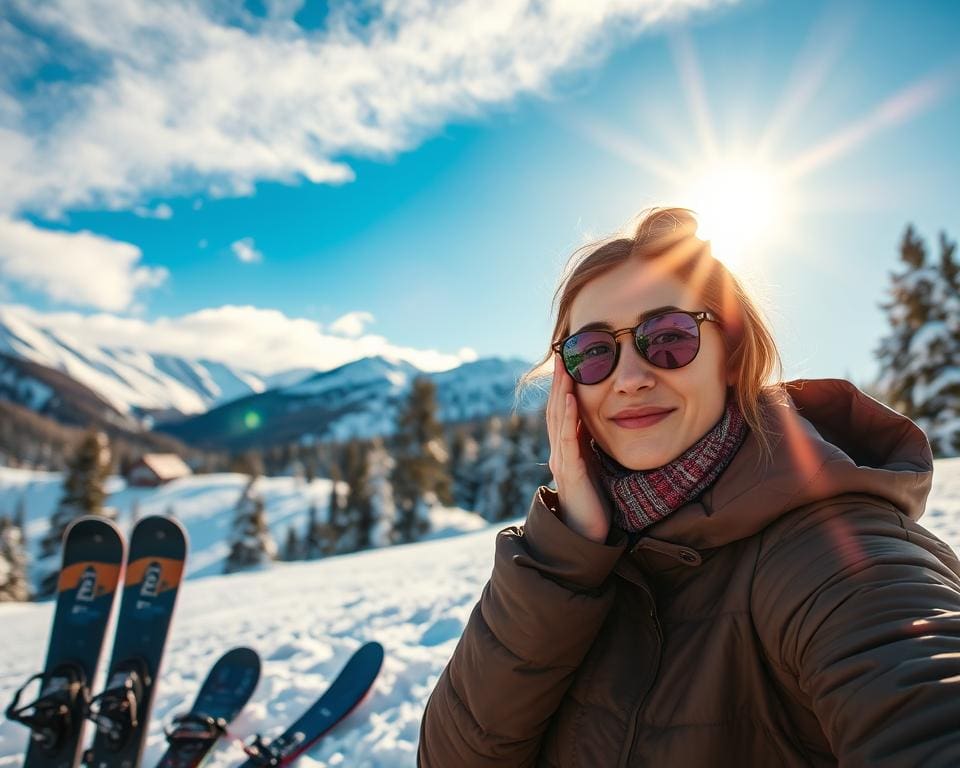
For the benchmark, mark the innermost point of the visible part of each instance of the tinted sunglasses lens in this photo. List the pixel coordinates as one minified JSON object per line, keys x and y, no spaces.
{"x":589,"y":356}
{"x":669,"y":341}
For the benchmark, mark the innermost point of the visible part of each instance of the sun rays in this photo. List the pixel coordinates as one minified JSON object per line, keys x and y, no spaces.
{"x":748,"y":200}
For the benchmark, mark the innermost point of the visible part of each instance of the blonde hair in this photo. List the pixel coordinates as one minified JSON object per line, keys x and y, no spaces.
{"x":665,"y":239}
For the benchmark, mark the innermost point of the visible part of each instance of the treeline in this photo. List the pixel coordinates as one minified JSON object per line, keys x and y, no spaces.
{"x":382,"y":490}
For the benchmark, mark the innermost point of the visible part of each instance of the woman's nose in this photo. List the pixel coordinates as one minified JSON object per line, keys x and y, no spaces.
{"x":632,"y":371}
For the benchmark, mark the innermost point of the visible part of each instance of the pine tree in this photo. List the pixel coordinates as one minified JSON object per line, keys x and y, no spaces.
{"x":464,"y":454}
{"x":383,"y":510}
{"x":420,"y":477}
{"x":248,"y":463}
{"x":920,"y":358}
{"x":524,"y":473}
{"x":13,"y":563}
{"x":937,"y":392}
{"x":909,"y":309}
{"x":492,"y":470}
{"x":20,"y":514}
{"x":350,"y":522}
{"x":319,"y":538}
{"x":251,"y":544}
{"x":291,"y":547}
{"x":83,"y":494}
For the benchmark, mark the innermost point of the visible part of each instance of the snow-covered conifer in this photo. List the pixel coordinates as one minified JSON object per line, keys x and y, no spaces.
{"x":920,"y":358}
{"x":350,"y":524}
{"x":13,"y":563}
{"x":291,"y":546}
{"x":464,"y":453}
{"x":420,"y":475}
{"x":908,"y":310}
{"x":383,"y":510}
{"x":316,"y":539}
{"x":492,"y":470}
{"x":524,"y":470}
{"x":936,"y":393}
{"x":83,"y":494}
{"x":251,"y":543}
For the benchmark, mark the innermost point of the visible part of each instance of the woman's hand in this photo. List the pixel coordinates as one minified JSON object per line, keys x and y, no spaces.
{"x":582,"y":507}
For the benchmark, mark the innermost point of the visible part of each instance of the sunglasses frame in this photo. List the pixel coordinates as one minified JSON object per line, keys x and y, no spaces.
{"x":699,"y":317}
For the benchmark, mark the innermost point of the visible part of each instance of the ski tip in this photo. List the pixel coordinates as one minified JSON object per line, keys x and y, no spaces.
{"x":162,"y":527}
{"x":92,"y":525}
{"x":92,"y":537}
{"x":243,"y":653}
{"x":241,"y":656}
{"x":372,"y":652}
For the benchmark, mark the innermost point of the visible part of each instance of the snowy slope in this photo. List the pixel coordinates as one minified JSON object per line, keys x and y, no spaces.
{"x":306,"y":618}
{"x":132,"y":381}
{"x":203,"y":503}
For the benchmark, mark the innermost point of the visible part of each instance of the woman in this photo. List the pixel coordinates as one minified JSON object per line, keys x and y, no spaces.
{"x":729,"y":572}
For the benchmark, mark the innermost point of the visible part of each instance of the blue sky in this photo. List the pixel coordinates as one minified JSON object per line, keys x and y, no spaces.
{"x":472,"y":158}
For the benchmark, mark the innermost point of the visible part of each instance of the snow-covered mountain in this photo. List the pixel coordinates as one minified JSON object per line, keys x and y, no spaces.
{"x":306,"y":618}
{"x":234,"y":409}
{"x":133,"y":382}
{"x":359,"y":399}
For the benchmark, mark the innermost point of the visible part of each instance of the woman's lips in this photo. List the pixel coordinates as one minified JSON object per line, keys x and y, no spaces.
{"x":641,"y":422}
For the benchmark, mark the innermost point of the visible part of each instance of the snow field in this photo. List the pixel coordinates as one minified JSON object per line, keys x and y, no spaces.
{"x":306,"y":618}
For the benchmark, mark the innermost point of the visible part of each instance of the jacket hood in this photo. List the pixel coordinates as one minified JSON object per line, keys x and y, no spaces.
{"x":830,"y":439}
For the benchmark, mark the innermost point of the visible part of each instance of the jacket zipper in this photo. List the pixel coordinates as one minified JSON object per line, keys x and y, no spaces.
{"x":627,"y":750}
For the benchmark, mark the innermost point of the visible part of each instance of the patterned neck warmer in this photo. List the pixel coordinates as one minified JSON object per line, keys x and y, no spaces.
{"x":642,"y":497}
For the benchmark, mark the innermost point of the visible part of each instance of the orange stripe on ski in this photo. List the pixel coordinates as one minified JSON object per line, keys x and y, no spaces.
{"x":170,"y":572}
{"x":107,"y":576}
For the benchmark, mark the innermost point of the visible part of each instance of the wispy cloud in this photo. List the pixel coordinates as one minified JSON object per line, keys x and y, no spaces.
{"x":160,"y":211}
{"x":246,"y":250}
{"x":252,"y":338}
{"x":76,"y":268}
{"x":106,"y":104}
{"x":187,"y":96}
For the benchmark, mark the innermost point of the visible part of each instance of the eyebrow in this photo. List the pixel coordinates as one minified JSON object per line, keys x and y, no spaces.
{"x":603,"y":325}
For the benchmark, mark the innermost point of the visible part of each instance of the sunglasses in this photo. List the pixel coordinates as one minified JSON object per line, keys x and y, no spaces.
{"x":667,"y":340}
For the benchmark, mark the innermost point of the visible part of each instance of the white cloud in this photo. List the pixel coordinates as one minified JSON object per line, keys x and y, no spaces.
{"x":351,"y":324}
{"x":160,"y":211}
{"x":176,"y":98}
{"x":265,"y":341}
{"x":76,"y":268}
{"x":246,"y":251}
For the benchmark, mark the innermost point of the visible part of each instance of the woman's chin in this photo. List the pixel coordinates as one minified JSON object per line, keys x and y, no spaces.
{"x":640,"y":460}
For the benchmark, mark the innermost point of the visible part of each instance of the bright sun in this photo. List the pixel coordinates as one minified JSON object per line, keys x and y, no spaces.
{"x":740,"y":207}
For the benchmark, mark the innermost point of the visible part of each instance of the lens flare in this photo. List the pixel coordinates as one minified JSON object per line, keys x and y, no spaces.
{"x":251,"y":420}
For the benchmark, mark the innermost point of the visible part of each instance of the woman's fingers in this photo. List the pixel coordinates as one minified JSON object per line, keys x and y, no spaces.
{"x":552,"y":399}
{"x":569,"y":442}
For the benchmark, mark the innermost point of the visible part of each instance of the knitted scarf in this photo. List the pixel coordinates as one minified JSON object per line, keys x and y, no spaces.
{"x":642,"y":497}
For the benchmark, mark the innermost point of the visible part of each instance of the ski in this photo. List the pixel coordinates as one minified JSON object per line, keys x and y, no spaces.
{"x":86,"y":587}
{"x":121,"y":712}
{"x":227,"y":689}
{"x":344,"y":693}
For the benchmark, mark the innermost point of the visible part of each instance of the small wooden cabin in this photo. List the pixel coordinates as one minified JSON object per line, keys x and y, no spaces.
{"x":155,"y":469}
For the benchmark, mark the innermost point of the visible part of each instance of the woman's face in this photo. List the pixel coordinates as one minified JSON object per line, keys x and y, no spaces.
{"x":696,"y":393}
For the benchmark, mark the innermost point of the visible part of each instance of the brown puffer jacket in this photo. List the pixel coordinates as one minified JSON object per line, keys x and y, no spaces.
{"x":793,"y":616}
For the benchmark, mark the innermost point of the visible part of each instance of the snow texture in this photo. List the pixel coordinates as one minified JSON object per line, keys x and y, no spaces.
{"x":305,"y":619}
